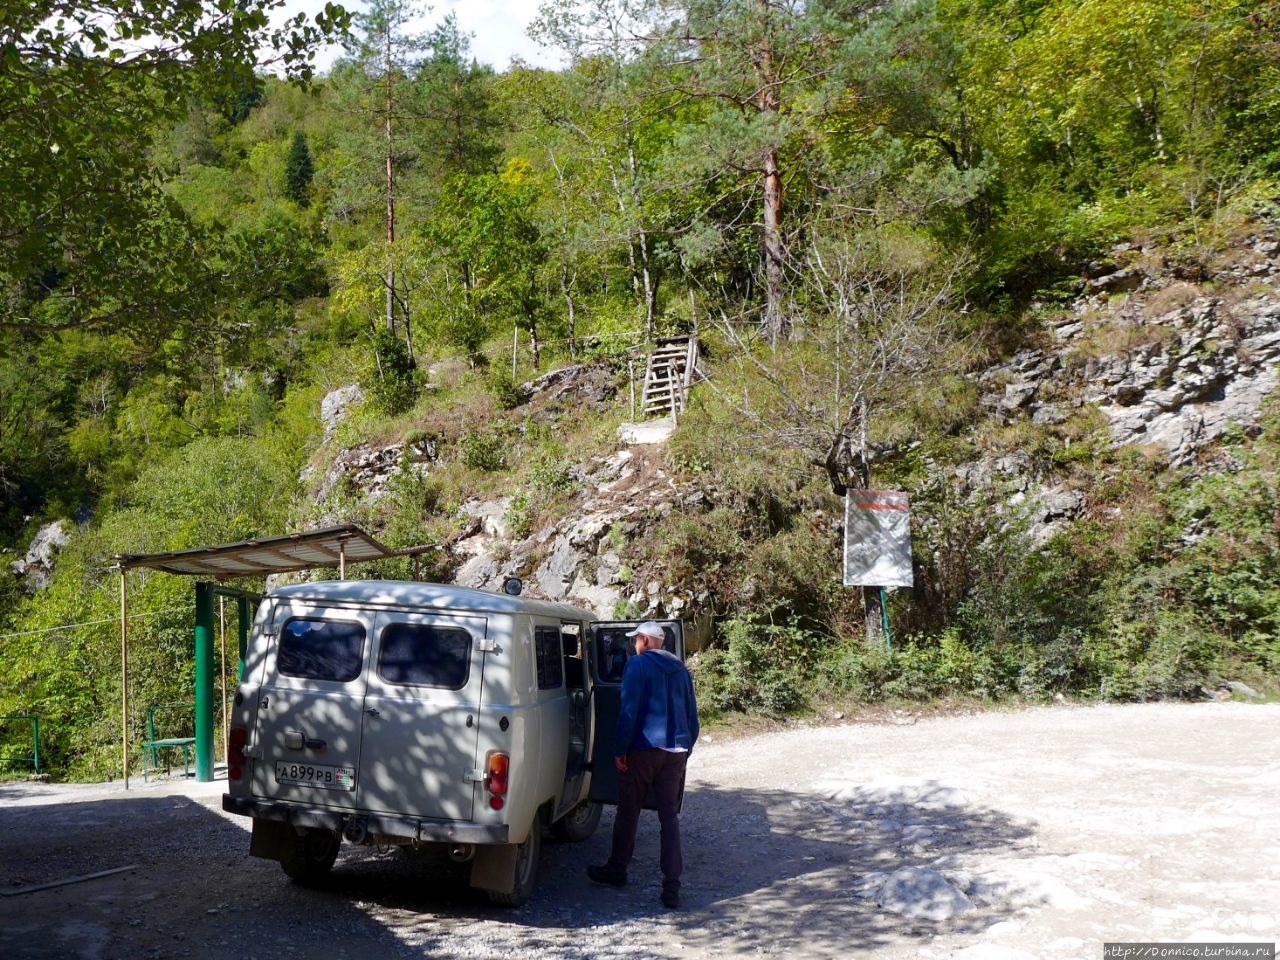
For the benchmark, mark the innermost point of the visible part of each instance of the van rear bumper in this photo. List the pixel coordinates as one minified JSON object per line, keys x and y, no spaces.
{"x":376,"y":825}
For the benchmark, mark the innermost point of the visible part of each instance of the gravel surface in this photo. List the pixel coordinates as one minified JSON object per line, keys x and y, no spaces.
{"x":1041,"y":833}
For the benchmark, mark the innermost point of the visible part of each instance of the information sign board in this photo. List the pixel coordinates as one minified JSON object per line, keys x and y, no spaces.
{"x":877,"y":539}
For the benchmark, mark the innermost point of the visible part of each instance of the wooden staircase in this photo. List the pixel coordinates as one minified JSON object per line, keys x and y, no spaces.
{"x":672,"y":366}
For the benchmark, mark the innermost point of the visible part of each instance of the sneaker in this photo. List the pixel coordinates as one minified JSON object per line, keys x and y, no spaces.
{"x":671,"y":895}
{"x":608,"y":875}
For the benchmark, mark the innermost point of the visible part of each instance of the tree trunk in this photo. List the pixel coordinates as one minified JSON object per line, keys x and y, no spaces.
{"x":775,"y":322}
{"x":650,"y":288}
{"x":391,"y":202}
{"x":566,"y":290}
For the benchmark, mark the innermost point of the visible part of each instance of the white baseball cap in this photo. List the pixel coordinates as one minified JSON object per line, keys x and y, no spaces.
{"x":650,"y":629}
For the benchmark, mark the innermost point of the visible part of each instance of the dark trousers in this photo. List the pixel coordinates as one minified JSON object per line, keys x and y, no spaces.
{"x":663,"y":771}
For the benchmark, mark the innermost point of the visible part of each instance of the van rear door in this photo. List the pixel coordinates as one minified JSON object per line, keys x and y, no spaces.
{"x":608,"y":654}
{"x":421,"y":715}
{"x":307,"y":725}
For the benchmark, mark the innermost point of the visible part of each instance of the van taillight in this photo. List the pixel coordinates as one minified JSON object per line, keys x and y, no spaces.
{"x":496,"y":779}
{"x":235,"y":752}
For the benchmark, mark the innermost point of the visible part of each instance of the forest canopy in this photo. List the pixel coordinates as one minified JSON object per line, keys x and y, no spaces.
{"x":201,"y":236}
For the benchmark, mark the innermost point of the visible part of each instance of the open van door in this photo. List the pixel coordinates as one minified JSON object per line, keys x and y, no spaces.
{"x":609,"y":650}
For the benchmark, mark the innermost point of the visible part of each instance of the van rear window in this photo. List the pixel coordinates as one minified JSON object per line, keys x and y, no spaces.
{"x":422,"y":655}
{"x":321,"y":649}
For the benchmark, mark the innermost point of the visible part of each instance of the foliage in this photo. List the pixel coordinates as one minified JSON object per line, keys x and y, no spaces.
{"x":485,"y":452}
{"x":507,"y":392}
{"x":100,"y":243}
{"x":394,"y":380}
{"x":194,"y":252}
{"x":298,"y":171}
{"x":757,"y":666}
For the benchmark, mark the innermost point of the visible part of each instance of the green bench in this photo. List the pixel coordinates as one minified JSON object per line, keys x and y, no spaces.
{"x":153,"y":748}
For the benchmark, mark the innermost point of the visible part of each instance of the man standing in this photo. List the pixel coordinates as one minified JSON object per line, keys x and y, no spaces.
{"x":657,"y":727}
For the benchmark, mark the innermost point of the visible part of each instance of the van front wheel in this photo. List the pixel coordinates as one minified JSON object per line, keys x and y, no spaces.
{"x":578,"y":824}
{"x":311,"y":857}
{"x":525,"y":871}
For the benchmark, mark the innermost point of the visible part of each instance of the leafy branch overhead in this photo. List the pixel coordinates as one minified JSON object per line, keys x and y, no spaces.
{"x":88,"y":236}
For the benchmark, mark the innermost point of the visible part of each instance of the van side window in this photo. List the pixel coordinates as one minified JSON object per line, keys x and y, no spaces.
{"x":321,"y":649}
{"x":546,"y":642}
{"x":421,"y":655}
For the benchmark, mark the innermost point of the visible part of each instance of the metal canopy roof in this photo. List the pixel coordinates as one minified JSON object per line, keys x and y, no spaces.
{"x":329,"y":547}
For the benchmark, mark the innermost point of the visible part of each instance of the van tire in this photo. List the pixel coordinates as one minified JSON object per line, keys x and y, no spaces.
{"x":311,"y":858}
{"x":525,"y":871}
{"x":578,"y":824}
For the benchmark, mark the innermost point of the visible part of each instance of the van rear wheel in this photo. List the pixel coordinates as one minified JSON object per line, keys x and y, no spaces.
{"x":578,"y":824}
{"x":311,"y":857}
{"x":525,"y":871}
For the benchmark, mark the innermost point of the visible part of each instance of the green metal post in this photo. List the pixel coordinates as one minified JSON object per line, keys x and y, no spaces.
{"x":35,"y":741}
{"x":884,"y":612}
{"x":204,"y":682}
{"x":242,"y":609}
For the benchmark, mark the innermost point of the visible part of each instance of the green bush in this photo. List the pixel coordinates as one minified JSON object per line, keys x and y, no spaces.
{"x":757,"y":667}
{"x":508,"y":393}
{"x":483,"y":451}
{"x":394,"y":381}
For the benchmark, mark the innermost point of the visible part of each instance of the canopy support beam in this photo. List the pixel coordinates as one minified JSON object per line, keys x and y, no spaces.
{"x":204,"y":681}
{"x":124,"y":676}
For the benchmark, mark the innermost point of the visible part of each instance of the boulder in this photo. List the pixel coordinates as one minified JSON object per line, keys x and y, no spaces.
{"x":37,"y":565}
{"x":336,"y":404}
{"x":1235,"y":686}
{"x":1122,"y":281}
{"x":492,"y":515}
{"x":922,"y":894}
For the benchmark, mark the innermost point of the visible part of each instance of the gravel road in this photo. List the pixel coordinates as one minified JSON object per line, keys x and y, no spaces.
{"x":1038,"y":833}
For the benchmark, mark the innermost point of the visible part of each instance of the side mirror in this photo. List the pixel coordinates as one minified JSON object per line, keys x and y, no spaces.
{"x":512,"y":586}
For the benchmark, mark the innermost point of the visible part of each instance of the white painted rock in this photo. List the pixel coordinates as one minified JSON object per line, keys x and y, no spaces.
{"x":922,"y":894}
{"x":654,"y":431}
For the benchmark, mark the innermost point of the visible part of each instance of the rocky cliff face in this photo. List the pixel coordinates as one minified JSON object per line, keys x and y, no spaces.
{"x":1148,"y":353}
{"x":1169,"y":361}
{"x":578,"y":559}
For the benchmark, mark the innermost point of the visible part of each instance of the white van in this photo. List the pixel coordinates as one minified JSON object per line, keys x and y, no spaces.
{"x":415,"y":713}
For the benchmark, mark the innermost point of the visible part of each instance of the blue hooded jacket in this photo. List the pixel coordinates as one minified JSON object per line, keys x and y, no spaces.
{"x":658,"y":708}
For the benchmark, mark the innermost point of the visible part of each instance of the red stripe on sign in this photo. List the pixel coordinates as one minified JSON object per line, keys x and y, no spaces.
{"x":881,"y":505}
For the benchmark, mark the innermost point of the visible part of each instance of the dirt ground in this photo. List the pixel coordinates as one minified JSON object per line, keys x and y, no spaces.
{"x":1039,"y":833}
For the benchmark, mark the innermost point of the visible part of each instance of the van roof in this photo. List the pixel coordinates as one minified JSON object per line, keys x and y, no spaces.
{"x":439,"y":596}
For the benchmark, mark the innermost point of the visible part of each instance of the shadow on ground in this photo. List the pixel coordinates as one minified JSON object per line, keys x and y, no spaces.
{"x":192,"y":892}
{"x":765,"y":870}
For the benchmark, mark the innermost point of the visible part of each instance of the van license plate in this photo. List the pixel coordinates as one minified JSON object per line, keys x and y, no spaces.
{"x":316,"y":775}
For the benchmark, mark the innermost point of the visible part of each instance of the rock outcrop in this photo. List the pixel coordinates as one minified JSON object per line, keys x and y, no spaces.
{"x":1160,"y":362}
{"x":366,"y":471}
{"x":579,"y":558}
{"x":1169,"y":364}
{"x":37,"y":565}
{"x":336,"y":405}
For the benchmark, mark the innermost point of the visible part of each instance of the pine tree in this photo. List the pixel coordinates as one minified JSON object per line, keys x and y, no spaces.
{"x":298,"y":171}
